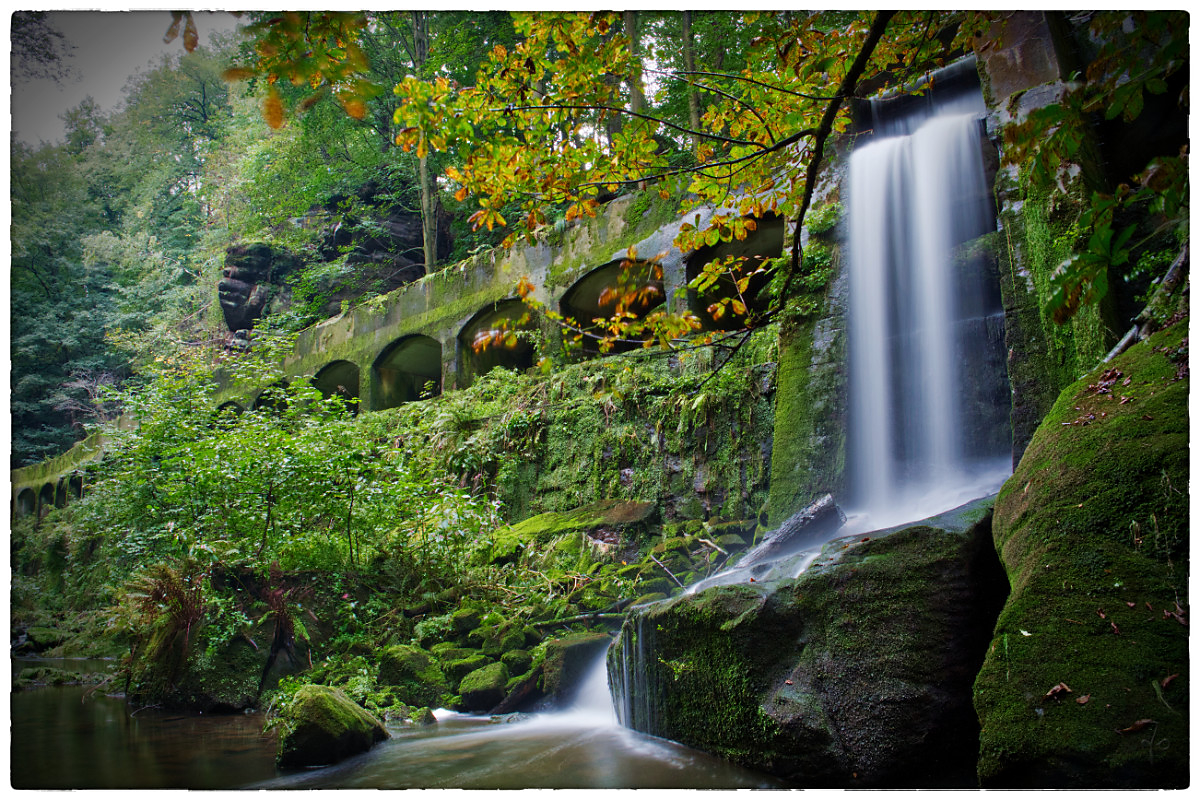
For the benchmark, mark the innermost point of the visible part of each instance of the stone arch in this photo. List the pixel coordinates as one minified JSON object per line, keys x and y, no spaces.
{"x":273,"y":398}
{"x":403,"y":370}
{"x":45,"y":499}
{"x":231,"y":407}
{"x":339,"y":378}
{"x":762,"y":244}
{"x":488,"y":324}
{"x":26,"y":503}
{"x":60,"y":493}
{"x":592,"y":296}
{"x":75,"y":486}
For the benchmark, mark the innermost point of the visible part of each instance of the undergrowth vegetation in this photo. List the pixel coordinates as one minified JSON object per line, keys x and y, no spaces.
{"x":310,"y":538}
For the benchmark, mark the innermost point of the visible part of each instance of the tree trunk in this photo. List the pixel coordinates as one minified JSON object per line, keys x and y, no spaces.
{"x":689,"y":65}
{"x":420,"y":26}
{"x":637,"y":95}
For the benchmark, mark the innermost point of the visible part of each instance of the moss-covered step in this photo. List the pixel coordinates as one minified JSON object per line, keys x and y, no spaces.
{"x":1087,"y":682}
{"x":618,"y":515}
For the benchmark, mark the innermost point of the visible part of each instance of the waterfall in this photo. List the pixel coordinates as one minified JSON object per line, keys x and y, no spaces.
{"x":923,"y":323}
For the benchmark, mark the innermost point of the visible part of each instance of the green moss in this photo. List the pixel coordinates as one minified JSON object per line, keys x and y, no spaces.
{"x":416,"y":676}
{"x":484,"y":688}
{"x":321,"y":726}
{"x":807,"y":457}
{"x":1093,"y":529}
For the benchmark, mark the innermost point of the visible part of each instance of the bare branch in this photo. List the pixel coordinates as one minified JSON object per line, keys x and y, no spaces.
{"x":826,"y":128}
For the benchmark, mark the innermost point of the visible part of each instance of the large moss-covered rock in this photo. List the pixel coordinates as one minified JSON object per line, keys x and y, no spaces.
{"x":1093,"y":532}
{"x":483,"y":689}
{"x":321,"y":725}
{"x":858,"y":673}
{"x":567,"y":662}
{"x":415,"y":674}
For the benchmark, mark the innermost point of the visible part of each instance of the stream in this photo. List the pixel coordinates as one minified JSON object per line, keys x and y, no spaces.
{"x":68,"y":737}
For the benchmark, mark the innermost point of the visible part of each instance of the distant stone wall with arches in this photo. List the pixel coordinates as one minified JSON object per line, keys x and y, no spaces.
{"x":420,"y":339}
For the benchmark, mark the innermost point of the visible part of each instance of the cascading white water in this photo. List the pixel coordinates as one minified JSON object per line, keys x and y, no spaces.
{"x":915,"y":193}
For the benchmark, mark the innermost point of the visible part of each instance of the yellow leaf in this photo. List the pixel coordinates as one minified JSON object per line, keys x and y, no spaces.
{"x":461,"y":194}
{"x":355,"y":107}
{"x":273,"y":110}
{"x":237,"y":74}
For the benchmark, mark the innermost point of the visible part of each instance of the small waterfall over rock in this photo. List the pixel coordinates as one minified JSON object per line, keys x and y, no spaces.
{"x":927,"y":391}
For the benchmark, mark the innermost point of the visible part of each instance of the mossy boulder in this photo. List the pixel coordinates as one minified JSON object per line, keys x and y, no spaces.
{"x":321,"y":725}
{"x":517,"y":661}
{"x":1092,"y":529}
{"x":464,"y":619}
{"x":459,"y":669}
{"x":483,"y":689}
{"x":856,"y":674}
{"x":567,"y":661}
{"x":415,"y":674}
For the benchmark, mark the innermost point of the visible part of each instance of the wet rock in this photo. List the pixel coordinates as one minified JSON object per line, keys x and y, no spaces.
{"x":567,"y":661}
{"x":859,"y":673}
{"x":483,"y":689}
{"x":811,"y":525}
{"x":321,"y":726}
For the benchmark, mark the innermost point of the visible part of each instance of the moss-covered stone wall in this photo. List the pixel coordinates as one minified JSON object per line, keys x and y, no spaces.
{"x":1023,"y":67}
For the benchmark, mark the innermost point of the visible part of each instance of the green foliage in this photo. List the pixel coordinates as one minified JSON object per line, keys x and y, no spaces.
{"x":1136,"y":53}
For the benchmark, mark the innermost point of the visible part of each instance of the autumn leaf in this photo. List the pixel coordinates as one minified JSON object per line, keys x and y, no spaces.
{"x":1082,"y":700}
{"x":237,"y":74}
{"x":355,"y":107}
{"x":273,"y":110}
{"x":1056,"y":692}
{"x":1141,"y":724}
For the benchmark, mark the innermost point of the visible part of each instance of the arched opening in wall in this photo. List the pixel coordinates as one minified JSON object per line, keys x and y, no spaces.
{"x":75,"y":486}
{"x":408,"y":369}
{"x":45,"y":500}
{"x":621,"y":286}
{"x":228,"y":412}
{"x":60,"y":493}
{"x":339,"y":378}
{"x":272,"y":398}
{"x":499,"y":335}
{"x":719,"y":306}
{"x":26,"y":503}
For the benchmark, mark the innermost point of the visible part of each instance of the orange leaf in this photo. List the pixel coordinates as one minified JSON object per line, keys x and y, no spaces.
{"x":191,"y":37}
{"x":355,"y":107}
{"x":1056,"y":691}
{"x":1141,"y":724}
{"x":273,"y":110}
{"x":461,"y":194}
{"x":1083,"y":700}
{"x":237,"y":74}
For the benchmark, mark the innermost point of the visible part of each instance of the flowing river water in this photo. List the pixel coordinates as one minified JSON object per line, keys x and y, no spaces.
{"x":73,"y":738}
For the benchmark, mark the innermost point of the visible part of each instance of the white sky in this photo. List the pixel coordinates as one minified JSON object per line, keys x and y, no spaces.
{"x":110,"y":46}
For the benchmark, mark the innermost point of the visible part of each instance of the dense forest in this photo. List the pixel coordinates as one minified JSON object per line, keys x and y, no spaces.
{"x":367,"y":150}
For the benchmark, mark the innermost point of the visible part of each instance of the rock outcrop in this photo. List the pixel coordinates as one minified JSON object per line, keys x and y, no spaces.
{"x":1086,"y":682}
{"x":253,"y":283}
{"x":856,"y":674}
